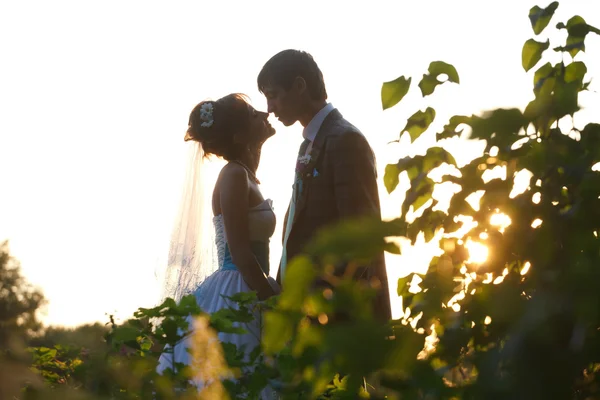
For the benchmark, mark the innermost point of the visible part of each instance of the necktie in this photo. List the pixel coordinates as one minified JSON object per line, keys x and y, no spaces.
{"x":290,"y":220}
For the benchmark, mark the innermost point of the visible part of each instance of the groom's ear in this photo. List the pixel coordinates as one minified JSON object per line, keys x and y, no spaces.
{"x":300,"y":85}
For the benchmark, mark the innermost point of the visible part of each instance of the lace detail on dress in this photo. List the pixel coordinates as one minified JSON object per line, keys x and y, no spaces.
{"x":261,"y":220}
{"x":220,"y":238}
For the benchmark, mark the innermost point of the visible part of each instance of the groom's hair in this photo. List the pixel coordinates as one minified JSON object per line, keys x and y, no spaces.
{"x":284,"y":67}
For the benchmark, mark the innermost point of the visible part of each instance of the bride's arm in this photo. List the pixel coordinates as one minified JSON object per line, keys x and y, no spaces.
{"x":234,"y":207}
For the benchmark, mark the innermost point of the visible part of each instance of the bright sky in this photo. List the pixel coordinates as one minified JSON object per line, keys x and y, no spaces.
{"x":95,"y":96}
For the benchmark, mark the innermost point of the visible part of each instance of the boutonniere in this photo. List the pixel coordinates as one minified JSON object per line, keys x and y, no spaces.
{"x":302,"y":163}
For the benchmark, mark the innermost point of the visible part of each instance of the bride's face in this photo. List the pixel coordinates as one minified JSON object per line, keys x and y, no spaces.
{"x":260,"y":128}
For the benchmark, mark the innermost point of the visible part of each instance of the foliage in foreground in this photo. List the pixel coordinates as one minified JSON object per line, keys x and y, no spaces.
{"x":524,"y":323}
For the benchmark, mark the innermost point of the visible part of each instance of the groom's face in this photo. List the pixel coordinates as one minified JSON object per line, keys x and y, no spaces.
{"x":284,"y":104}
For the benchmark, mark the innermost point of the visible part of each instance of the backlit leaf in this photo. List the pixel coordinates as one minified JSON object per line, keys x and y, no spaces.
{"x":430,"y":81}
{"x":540,"y":17}
{"x":394,"y":91}
{"x":532,"y":53}
{"x":419,"y":122}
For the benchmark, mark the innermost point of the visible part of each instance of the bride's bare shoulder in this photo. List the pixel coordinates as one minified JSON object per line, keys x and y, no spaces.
{"x":232,"y":173}
{"x":231,"y":186}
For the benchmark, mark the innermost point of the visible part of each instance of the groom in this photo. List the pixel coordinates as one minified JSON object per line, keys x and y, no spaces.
{"x":336,"y":175}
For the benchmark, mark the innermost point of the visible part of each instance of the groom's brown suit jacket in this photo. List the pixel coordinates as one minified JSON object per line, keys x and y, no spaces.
{"x":345,"y":186}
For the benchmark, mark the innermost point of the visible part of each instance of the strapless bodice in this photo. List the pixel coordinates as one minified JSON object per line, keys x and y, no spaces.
{"x":261,"y":224}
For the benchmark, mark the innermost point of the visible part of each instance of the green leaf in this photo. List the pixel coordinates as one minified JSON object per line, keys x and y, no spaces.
{"x":430,"y":222}
{"x":532,"y":53}
{"x":243,"y":297}
{"x":278,"y":331}
{"x":428,"y":84}
{"x":541,"y":75}
{"x":540,"y":17}
{"x":430,"y":81}
{"x":403,"y":286}
{"x":436,"y":156}
{"x":223,"y":321}
{"x":499,"y":127}
{"x":391,"y":177}
{"x":575,"y":72}
{"x":419,"y":122}
{"x":394,"y":91}
{"x":421,"y":200}
{"x":566,"y":99}
{"x":392,"y":248}
{"x":590,"y":138}
{"x":578,"y":30}
{"x":403,"y":357}
{"x":574,"y":45}
{"x":188,"y":305}
{"x":420,"y":192}
{"x":577,"y":26}
{"x":354,"y":239}
{"x":299,"y":276}
{"x":450,"y":129}
{"x":126,"y":334}
{"x":438,"y":68}
{"x":411,"y":165}
{"x":307,"y":337}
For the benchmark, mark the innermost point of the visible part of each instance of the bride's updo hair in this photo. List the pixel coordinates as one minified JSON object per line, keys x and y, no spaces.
{"x":214,"y":124}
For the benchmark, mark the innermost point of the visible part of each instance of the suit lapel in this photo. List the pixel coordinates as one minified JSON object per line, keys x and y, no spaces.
{"x":315,"y":151}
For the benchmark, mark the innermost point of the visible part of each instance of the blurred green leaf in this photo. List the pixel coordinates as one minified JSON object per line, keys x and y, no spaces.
{"x":419,"y":122}
{"x":277,"y":332}
{"x":391,"y":177}
{"x":358,"y":239}
{"x":450,"y":129}
{"x":403,"y":286}
{"x":243,"y":297}
{"x":299,"y":276}
{"x":499,"y":127}
{"x":577,"y":30}
{"x":434,"y":157}
{"x":226,"y":320}
{"x":394,"y":91}
{"x":590,"y":136}
{"x":439,"y":67}
{"x":430,"y":81}
{"x":575,"y":72}
{"x":540,"y":17}
{"x":565,"y":99}
{"x":532,"y":53}
{"x":419,"y":193}
{"x":540,"y":76}
{"x":126,"y":334}
{"x":421,"y":200}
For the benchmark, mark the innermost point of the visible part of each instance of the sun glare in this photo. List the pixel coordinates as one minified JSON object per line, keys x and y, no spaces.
{"x":502,"y":221}
{"x":478,"y":252}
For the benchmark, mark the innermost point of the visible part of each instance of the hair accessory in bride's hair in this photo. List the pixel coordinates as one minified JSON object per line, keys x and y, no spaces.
{"x":206,"y":115}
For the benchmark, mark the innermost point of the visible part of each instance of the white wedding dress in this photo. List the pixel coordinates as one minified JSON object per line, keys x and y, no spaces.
{"x":227,"y":280}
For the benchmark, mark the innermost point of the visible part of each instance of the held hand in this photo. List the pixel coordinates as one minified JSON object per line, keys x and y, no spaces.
{"x":274,"y":285}
{"x":266,"y":293}
{"x":271,"y":289}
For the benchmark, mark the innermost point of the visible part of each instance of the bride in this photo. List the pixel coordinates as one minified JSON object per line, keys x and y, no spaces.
{"x":243,"y":220}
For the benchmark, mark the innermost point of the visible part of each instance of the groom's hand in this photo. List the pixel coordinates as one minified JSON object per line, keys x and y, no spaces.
{"x":274,"y":285}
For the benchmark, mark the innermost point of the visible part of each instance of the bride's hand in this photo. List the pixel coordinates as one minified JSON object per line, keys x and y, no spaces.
{"x":272,"y":289}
